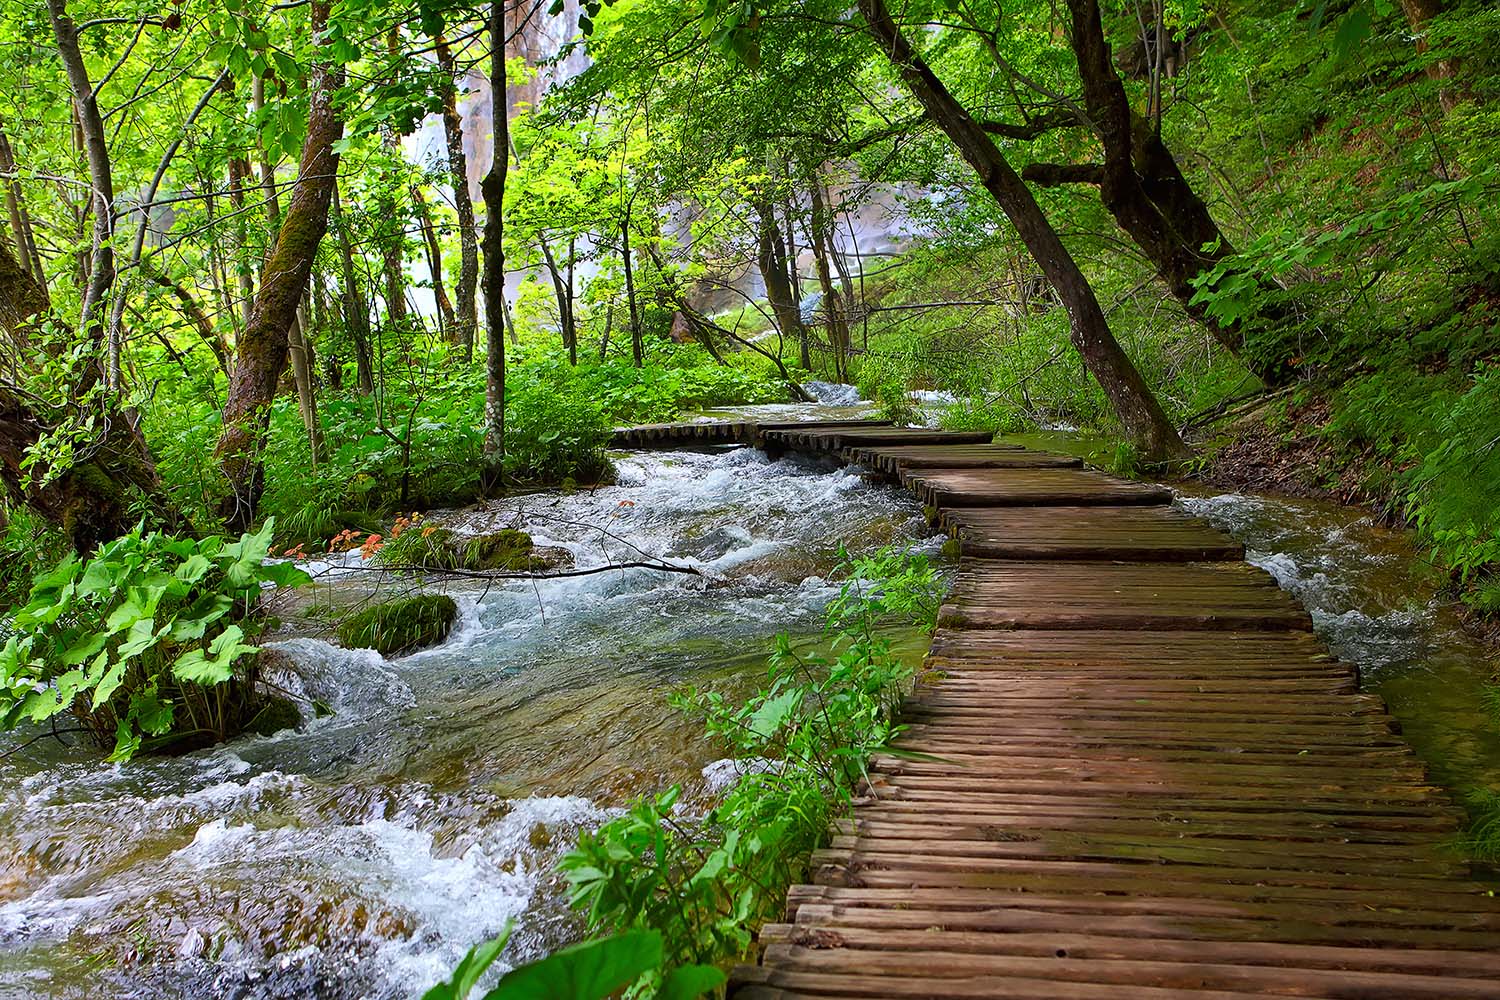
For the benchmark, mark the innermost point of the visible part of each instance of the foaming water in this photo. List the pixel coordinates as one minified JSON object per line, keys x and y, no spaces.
{"x":1371,"y":594}
{"x":362,"y":855}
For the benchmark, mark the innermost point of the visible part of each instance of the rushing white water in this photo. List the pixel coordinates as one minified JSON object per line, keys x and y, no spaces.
{"x":362,"y":855}
{"x":1377,"y":602}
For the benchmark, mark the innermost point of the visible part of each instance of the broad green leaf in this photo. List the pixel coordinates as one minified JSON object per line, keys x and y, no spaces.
{"x":688,"y":982}
{"x":466,"y":974}
{"x":588,"y":971}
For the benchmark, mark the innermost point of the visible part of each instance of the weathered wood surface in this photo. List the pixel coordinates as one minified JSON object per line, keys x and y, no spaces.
{"x":1134,"y":773}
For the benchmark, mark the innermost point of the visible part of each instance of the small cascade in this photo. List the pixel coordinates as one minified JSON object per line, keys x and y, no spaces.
{"x":426,"y":799}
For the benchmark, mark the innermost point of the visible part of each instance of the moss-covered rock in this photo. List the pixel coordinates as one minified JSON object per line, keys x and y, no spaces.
{"x":400,"y":626}
{"x":507,"y":550}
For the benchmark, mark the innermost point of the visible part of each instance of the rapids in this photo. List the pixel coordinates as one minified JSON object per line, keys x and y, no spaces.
{"x":363,"y":856}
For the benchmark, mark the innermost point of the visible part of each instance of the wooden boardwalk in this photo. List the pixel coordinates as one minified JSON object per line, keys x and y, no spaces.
{"x":1140,"y":775}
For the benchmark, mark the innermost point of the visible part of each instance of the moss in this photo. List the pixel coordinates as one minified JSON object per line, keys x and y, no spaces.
{"x":400,"y":626}
{"x":276,"y":713}
{"x":507,"y":549}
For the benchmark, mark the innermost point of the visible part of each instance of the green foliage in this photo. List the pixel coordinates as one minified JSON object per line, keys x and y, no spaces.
{"x":400,"y":626}
{"x":142,"y":640}
{"x":591,"y":970}
{"x":803,"y":741}
{"x":1436,"y":441}
{"x":1481,"y":840}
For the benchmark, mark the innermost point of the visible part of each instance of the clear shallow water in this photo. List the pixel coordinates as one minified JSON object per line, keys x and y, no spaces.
{"x":362,"y":857}
{"x":1374,"y":599}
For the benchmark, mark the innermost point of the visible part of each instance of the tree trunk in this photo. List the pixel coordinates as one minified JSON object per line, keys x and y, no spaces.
{"x":794,"y":278}
{"x":20,"y":219}
{"x":773,"y":271}
{"x":195,"y":314}
{"x":263,"y":346}
{"x":1138,"y":410}
{"x":636,"y":346}
{"x":562,"y":289}
{"x":356,"y":310}
{"x":21,"y":296}
{"x":239,"y":177}
{"x":493,"y":190}
{"x":102,"y":186}
{"x":307,"y":405}
{"x":90,"y":499}
{"x":1418,"y":13}
{"x":458,"y":170}
{"x":838,"y":327}
{"x":434,"y":263}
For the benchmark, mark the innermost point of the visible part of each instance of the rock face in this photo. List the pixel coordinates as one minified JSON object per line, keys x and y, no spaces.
{"x":401,"y":626}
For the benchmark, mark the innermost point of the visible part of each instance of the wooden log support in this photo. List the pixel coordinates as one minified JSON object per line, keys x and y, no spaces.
{"x":1132,"y":771}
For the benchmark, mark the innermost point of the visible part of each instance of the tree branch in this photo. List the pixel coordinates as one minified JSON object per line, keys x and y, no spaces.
{"x":1058,"y":174}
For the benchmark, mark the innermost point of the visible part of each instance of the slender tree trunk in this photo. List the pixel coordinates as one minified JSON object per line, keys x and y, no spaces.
{"x":493,"y":190}
{"x":356,"y":310}
{"x":794,"y":278}
{"x":333,"y":367}
{"x":564,"y":294}
{"x":458,"y":170}
{"x":190,"y":308}
{"x":773,"y":271}
{"x":838,"y":326}
{"x":1138,"y":410}
{"x":434,"y":263}
{"x":637,"y":348}
{"x":263,"y":346}
{"x":239,"y":174}
{"x":20,"y":219}
{"x":1418,"y":14}
{"x":102,"y":187}
{"x":572,"y":304}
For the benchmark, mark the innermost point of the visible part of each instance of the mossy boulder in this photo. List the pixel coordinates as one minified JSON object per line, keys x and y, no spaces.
{"x":507,"y":550}
{"x":400,"y":626}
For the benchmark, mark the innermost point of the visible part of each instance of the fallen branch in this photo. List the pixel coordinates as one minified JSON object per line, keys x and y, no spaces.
{"x":480,"y":574}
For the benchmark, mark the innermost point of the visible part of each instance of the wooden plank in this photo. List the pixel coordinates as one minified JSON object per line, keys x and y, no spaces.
{"x":1139,"y":533}
{"x":1029,"y":487}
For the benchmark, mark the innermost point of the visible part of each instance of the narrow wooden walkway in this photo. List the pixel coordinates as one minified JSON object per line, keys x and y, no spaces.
{"x":1139,"y":776}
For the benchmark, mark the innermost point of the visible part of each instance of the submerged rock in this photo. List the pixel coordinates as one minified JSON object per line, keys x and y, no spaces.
{"x":400,"y":626}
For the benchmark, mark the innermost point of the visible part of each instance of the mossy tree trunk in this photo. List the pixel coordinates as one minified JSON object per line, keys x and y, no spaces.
{"x":263,"y":345}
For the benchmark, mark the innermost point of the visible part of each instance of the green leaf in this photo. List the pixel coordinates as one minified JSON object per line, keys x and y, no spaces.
{"x":193,"y":568}
{"x":285,"y":574}
{"x":688,"y":982}
{"x":588,"y":971}
{"x":149,"y":712}
{"x":466,"y":974}
{"x":217,"y":665}
{"x":773,"y":713}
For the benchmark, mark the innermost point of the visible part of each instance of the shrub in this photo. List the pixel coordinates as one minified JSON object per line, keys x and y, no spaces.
{"x":400,"y":626}
{"x":146,"y":642}
{"x":804,"y":740}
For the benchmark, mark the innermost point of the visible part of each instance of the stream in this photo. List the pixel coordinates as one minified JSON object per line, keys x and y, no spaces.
{"x":363,"y":855}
